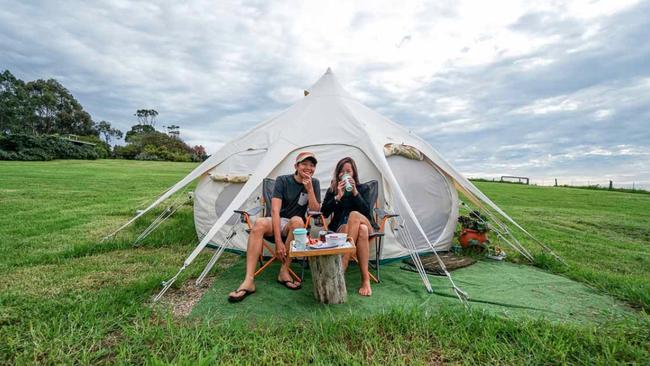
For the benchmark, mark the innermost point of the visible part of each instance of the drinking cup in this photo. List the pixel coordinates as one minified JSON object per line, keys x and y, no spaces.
{"x":348,"y":185}
{"x":300,"y":238}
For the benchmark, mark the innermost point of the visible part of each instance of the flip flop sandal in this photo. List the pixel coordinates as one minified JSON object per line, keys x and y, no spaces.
{"x":285,"y":284}
{"x":233,"y":299}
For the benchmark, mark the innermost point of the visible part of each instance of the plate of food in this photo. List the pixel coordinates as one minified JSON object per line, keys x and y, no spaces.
{"x":323,"y":245}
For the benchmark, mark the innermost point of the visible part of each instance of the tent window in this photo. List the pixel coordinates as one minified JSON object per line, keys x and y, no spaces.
{"x":226,"y":196}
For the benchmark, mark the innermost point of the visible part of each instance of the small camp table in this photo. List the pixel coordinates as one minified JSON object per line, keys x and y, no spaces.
{"x":326,"y":271}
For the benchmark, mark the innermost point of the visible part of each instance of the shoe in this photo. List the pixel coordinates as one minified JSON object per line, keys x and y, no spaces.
{"x":233,"y":299}
{"x":285,"y":284}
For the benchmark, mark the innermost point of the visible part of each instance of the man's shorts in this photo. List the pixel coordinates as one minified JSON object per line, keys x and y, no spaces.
{"x":283,"y":226}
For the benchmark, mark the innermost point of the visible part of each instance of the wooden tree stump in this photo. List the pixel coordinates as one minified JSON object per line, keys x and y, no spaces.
{"x":328,"y":278}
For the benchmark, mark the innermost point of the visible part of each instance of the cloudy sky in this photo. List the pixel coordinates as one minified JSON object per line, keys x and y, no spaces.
{"x":548,"y":89}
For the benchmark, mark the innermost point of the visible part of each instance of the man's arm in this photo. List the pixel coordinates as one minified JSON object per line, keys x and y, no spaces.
{"x":313,"y":197}
{"x":276,"y":205}
{"x":280,"y":250}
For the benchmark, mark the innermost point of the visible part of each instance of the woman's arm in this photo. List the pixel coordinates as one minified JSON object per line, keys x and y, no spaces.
{"x":359,"y":203}
{"x":329,"y":203}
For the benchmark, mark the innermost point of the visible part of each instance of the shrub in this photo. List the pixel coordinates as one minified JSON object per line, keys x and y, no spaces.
{"x":156,"y":146}
{"x":103,"y":149}
{"x":32,"y":148}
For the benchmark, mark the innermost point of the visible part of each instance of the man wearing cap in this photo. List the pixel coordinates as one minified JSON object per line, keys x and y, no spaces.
{"x":293,"y":195}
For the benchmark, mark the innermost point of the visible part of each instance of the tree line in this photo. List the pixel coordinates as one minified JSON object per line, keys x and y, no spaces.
{"x":37,"y":116}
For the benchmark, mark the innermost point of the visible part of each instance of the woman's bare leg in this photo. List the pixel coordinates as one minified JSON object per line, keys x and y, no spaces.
{"x":346,"y":257}
{"x":358,"y":230}
{"x":363,"y":255}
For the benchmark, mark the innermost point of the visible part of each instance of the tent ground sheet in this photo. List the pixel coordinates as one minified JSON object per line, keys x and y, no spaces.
{"x":501,"y":288}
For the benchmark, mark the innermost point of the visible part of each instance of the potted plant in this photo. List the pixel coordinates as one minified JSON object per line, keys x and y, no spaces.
{"x":474,"y":229}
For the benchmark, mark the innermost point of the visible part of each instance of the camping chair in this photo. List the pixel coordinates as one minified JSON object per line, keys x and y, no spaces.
{"x":245,"y":217}
{"x":371,"y":195}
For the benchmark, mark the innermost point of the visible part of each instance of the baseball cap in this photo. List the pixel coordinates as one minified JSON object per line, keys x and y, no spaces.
{"x":306,"y":155}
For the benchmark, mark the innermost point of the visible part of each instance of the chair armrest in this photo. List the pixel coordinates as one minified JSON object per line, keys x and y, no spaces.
{"x":245,"y":216}
{"x":314,"y":213}
{"x":252,"y":212}
{"x":383,"y":216}
{"x":381,"y":213}
{"x":375,"y":234}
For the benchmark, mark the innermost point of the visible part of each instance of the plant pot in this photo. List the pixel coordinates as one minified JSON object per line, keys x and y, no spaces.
{"x":467,"y":235}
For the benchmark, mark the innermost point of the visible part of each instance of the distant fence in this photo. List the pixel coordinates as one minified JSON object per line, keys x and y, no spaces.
{"x":512,"y":178}
{"x":561,"y":182}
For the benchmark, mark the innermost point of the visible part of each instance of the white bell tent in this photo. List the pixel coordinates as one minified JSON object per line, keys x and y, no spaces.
{"x":414,"y":180}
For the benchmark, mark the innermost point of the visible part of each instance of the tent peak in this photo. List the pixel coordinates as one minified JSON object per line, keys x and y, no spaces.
{"x":328,"y":85}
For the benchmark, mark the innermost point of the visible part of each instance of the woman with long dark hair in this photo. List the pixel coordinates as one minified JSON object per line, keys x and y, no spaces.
{"x":351,"y":214}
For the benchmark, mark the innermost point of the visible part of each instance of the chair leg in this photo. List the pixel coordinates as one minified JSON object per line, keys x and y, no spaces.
{"x":265,"y":265}
{"x":294,"y":275}
{"x":378,"y":245}
{"x":273,"y":257}
{"x":373,"y":277}
{"x":354,"y":257}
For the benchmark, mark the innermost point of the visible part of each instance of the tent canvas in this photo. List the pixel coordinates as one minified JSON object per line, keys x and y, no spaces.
{"x":415,"y":181}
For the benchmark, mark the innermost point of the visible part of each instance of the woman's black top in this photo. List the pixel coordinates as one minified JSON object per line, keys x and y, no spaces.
{"x":348,"y":203}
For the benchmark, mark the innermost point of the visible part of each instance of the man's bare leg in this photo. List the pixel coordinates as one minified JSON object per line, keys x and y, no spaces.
{"x":261,"y":227}
{"x":284,"y":275}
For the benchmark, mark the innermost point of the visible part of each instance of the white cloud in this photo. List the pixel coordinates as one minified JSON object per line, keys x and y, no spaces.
{"x":603,"y":114}
{"x":513,"y":86}
{"x":549,"y":105}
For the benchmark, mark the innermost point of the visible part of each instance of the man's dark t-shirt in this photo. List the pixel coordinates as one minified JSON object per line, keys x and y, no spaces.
{"x":295,"y":200}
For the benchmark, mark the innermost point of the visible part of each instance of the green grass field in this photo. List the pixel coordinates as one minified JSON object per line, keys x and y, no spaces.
{"x":67,"y":298}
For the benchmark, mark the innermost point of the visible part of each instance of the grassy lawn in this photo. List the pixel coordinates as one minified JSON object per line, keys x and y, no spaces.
{"x":66,"y":298}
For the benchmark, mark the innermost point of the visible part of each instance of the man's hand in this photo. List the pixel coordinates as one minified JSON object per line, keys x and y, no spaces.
{"x":306,"y":181}
{"x":280,"y":250}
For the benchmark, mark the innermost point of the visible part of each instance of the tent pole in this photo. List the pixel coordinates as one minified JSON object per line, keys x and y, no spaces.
{"x":245,"y":191}
{"x":217,"y":254}
{"x":208,"y":267}
{"x":167,"y":284}
{"x":388,"y":173}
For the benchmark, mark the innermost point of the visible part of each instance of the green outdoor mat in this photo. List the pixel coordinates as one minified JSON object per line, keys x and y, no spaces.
{"x":500,"y":288}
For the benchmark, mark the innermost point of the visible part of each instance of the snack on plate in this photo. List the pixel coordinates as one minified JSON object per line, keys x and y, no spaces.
{"x":336,"y":238}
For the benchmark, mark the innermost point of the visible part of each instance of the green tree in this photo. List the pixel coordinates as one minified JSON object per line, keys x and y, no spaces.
{"x":145,"y":143}
{"x":146,"y":116}
{"x":136,"y":130}
{"x":57,"y":111}
{"x":173,"y":131}
{"x":108,"y":132}
{"x":15,"y":105}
